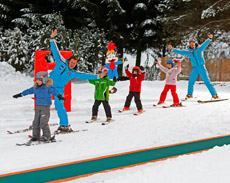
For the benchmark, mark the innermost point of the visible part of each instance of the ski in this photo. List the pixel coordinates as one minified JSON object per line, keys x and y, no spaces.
{"x":106,"y":122}
{"x":68,"y":132}
{"x":27,"y":129}
{"x":189,"y":99}
{"x":214,"y":100}
{"x":168,"y":106}
{"x":159,"y":105}
{"x":32,"y":143}
{"x":138,"y":113}
{"x":120,"y":111}
{"x":93,"y":121}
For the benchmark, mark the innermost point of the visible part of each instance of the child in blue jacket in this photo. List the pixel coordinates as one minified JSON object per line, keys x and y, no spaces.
{"x":43,"y":91}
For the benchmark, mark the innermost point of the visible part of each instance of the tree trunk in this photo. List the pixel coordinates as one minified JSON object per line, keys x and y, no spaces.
{"x":120,"y":57}
{"x":138,"y":58}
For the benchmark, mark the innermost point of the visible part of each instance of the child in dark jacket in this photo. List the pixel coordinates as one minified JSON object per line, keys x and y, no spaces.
{"x":43,"y":91}
{"x":102,"y":94}
{"x":136,"y":78}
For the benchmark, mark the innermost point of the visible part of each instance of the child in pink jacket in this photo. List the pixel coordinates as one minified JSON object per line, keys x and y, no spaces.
{"x":171,"y":78}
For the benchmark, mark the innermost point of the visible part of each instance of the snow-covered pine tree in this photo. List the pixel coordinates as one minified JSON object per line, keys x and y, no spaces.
{"x":90,"y":46}
{"x":16,"y":49}
{"x":3,"y":12}
{"x":39,"y":28}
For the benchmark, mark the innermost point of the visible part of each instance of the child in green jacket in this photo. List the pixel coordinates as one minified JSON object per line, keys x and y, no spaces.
{"x":102,"y":94}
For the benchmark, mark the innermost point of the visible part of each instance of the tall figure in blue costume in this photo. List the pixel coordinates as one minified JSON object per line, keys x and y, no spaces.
{"x":195,"y":53}
{"x":63,"y":72}
{"x":112,"y":61}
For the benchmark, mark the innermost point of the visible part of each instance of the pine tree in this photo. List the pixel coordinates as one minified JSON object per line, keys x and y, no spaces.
{"x":16,"y":50}
{"x":90,"y":47}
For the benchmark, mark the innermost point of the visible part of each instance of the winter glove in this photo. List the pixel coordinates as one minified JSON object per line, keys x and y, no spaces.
{"x":127,"y":67}
{"x":60,"y":97}
{"x":158,"y":62}
{"x":142,"y":69}
{"x":115,"y":79}
{"x":113,"y":90}
{"x":17,"y":95}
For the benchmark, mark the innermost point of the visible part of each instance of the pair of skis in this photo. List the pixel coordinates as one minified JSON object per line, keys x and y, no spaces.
{"x":57,"y":132}
{"x":27,"y":129}
{"x":102,"y":123}
{"x":135,"y":114}
{"x":181,"y":105}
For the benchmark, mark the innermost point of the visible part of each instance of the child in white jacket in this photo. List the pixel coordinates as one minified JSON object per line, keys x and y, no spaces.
{"x":171,"y":78}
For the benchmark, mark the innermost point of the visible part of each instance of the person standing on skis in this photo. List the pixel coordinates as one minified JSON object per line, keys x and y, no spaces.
{"x":171,"y":72}
{"x":195,"y":53}
{"x":43,"y":90}
{"x":63,"y":72}
{"x":101,"y":94}
{"x":136,"y":78}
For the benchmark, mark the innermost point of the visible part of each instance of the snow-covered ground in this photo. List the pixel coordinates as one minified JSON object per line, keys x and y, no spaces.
{"x":156,"y":127}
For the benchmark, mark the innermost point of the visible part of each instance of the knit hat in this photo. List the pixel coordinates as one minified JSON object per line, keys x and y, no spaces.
{"x":42,"y":76}
{"x":170,"y":62}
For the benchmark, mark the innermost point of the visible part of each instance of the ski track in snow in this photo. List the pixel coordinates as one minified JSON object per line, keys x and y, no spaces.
{"x":155,"y":127}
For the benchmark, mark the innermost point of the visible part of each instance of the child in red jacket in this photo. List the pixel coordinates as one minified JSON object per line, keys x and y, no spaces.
{"x":136,"y":78}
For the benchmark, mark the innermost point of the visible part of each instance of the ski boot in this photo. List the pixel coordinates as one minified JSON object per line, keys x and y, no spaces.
{"x":33,"y":139}
{"x":64,"y":129}
{"x":109,"y":120}
{"x":94,"y":118}
{"x":177,"y":105}
{"x":44,"y":139}
{"x":188,"y":97}
{"x":214,"y":97}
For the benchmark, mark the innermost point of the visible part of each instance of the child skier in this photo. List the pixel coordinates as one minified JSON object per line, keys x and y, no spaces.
{"x":43,"y":91}
{"x":102,"y":93}
{"x":136,"y":78}
{"x":171,"y":77}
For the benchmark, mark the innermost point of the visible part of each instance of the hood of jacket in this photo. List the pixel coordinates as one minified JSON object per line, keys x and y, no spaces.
{"x":49,"y":83}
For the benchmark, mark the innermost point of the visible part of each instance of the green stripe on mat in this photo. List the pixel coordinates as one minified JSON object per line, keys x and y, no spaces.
{"x":116,"y":161}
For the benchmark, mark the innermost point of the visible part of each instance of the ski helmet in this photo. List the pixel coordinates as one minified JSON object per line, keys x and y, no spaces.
{"x":42,"y":76}
{"x":138,"y":70}
{"x":170,"y":62}
{"x":102,"y":69}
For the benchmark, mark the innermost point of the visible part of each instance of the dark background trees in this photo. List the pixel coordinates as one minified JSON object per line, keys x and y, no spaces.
{"x":134,"y":25}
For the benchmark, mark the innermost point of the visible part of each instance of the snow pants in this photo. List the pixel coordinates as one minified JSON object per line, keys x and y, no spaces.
{"x":41,"y":119}
{"x":137,"y":99}
{"x":61,"y":111}
{"x":196,"y":71}
{"x":173,"y":91}
{"x":106,"y":106}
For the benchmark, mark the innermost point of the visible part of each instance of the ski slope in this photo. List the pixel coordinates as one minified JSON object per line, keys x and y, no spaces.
{"x":156,"y":127}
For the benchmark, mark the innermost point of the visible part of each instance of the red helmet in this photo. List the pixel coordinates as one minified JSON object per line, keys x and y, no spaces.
{"x":138,"y":70}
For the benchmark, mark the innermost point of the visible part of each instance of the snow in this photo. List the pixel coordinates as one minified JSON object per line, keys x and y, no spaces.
{"x":156,"y":127}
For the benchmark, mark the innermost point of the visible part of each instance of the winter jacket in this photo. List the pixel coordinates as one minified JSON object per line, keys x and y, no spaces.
{"x":135,"y":81}
{"x":171,"y":74}
{"x":102,"y":88}
{"x":196,"y":55}
{"x":43,"y":94}
{"x":61,"y":74}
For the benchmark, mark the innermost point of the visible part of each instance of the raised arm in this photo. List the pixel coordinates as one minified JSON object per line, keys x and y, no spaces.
{"x":205,"y":44}
{"x":162,"y":68}
{"x":54,"y":48}
{"x":181,"y":52}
